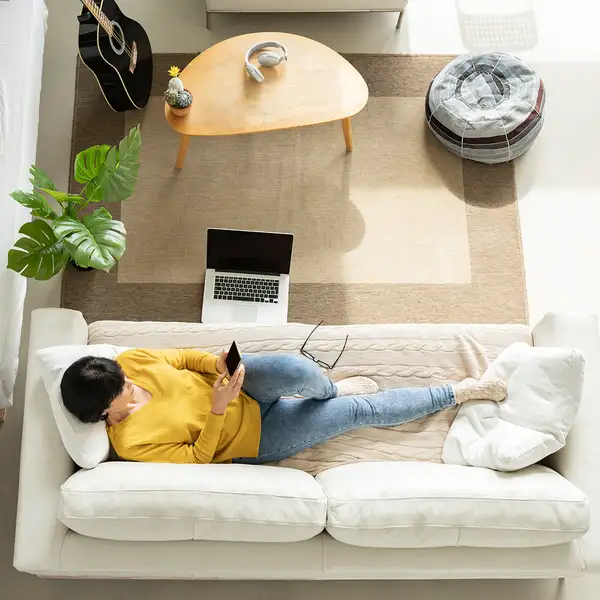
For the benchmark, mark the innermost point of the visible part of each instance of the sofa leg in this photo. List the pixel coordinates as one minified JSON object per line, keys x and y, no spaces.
{"x":208,"y":20}
{"x":399,"y":23}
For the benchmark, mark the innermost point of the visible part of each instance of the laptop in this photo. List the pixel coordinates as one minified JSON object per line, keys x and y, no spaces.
{"x":247,"y":276}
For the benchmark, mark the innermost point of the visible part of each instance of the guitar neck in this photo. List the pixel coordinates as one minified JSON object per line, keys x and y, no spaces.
{"x":102,"y":19}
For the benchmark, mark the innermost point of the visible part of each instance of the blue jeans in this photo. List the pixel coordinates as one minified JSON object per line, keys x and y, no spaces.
{"x":291,"y":425}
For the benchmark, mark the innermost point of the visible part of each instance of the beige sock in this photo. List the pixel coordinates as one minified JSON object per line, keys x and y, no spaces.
{"x":471,"y":389}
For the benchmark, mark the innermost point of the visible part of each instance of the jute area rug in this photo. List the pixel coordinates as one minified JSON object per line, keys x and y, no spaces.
{"x":397,"y":231}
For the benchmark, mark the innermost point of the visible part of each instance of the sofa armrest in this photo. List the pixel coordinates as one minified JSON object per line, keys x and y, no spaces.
{"x":579,"y":460}
{"x":45,"y":464}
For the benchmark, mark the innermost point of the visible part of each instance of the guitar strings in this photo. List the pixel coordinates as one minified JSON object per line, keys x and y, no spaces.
{"x":127,"y":49}
{"x":115,"y":35}
{"x":121,"y":40}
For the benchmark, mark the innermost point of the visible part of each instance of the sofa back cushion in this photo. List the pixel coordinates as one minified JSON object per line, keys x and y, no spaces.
{"x":420,"y":505}
{"x":393,"y":355}
{"x":160,"y":502}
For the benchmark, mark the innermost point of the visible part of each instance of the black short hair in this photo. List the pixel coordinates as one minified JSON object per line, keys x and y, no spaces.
{"x":89,"y":385}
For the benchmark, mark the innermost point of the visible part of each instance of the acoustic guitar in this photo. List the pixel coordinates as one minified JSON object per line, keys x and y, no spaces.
{"x":117,"y":50}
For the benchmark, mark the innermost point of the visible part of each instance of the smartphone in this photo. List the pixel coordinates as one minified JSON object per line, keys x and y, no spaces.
{"x":233,"y":359}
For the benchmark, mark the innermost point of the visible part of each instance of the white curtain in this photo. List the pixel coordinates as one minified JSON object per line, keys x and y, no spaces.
{"x":21,"y":51}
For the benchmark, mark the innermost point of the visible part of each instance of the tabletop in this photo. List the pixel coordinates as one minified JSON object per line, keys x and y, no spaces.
{"x":315,"y":85}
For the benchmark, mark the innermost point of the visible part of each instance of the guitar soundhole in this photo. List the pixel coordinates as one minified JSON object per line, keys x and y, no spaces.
{"x":117,"y":39}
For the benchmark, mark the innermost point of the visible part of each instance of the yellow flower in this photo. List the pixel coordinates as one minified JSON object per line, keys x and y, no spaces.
{"x":174,"y":71}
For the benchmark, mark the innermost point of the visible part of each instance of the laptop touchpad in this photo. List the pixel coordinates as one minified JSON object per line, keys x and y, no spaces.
{"x":243,"y":313}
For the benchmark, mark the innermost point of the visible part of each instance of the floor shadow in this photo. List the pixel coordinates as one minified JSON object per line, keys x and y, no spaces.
{"x":483,"y":185}
{"x":432,"y":148}
{"x":491,"y":190}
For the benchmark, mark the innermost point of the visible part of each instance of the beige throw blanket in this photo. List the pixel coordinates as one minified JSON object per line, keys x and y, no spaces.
{"x":418,"y":440}
{"x":393,"y":355}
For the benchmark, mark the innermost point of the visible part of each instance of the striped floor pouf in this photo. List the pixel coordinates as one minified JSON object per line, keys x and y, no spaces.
{"x":486,"y":106}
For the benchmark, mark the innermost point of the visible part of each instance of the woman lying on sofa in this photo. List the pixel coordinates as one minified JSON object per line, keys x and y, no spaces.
{"x":177,"y":405}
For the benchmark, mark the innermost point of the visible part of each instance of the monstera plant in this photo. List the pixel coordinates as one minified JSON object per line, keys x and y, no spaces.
{"x":67,"y":232}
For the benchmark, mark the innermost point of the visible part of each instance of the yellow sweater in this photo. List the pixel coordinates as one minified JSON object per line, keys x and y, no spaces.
{"x":177,"y":426}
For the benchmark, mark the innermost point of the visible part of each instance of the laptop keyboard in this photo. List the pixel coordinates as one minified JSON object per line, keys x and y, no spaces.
{"x":246,"y":289}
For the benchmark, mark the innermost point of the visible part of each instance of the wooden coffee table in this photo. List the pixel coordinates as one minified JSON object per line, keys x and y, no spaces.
{"x":316,"y":85}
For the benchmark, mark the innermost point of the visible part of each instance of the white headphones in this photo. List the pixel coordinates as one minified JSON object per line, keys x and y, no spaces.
{"x":266,"y":59}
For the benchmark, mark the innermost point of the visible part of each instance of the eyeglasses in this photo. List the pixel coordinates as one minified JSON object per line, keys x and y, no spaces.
{"x":321,"y":363}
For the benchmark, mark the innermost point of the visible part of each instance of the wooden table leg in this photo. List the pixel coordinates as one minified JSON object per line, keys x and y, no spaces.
{"x":183,"y":148}
{"x":347,"y":129}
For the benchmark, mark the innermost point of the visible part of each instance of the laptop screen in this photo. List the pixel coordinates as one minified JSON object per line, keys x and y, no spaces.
{"x":249,"y":251}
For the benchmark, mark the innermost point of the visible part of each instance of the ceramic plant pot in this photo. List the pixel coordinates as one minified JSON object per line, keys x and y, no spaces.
{"x":180,"y":112}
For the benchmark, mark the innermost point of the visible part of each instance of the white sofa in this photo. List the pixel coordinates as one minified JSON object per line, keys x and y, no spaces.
{"x":400,"y":520}
{"x":299,"y":6}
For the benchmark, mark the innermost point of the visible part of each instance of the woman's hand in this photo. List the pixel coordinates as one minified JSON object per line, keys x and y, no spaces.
{"x":221,"y":365}
{"x":224,"y":394}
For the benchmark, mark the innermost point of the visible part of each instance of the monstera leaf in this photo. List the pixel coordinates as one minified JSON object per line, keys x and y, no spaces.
{"x":88,"y":163}
{"x":39,"y":179}
{"x":97,"y":241}
{"x":36,"y":202}
{"x":39,"y":254}
{"x":62,"y":197}
{"x":117,"y":176}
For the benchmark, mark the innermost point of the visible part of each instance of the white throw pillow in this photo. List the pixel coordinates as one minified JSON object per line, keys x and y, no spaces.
{"x":544,"y":392}
{"x":86,"y":443}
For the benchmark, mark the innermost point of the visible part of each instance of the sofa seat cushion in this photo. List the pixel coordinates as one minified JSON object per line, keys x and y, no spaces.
{"x":426,"y":505}
{"x":161,"y":502}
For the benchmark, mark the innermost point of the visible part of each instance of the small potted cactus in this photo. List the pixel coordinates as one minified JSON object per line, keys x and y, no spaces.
{"x":178,"y":98}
